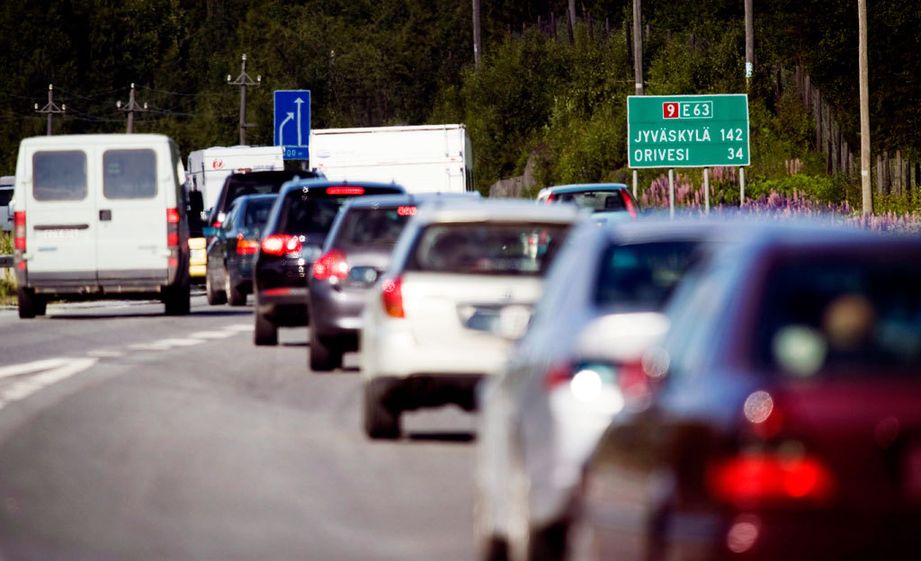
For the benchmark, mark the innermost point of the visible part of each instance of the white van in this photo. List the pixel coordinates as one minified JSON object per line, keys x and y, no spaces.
{"x":100,"y":216}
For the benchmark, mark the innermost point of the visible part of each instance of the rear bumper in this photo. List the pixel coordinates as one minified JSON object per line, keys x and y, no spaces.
{"x":284,"y":306}
{"x":414,"y":392}
{"x":335,"y":312}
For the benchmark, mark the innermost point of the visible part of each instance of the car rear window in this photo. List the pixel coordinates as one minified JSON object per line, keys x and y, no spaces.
{"x":257,"y":213}
{"x":596,"y":201}
{"x":824,"y":316}
{"x":258,"y":183}
{"x":59,"y":175}
{"x":373,"y":226}
{"x":6,"y":195}
{"x":311,"y":210}
{"x":487,"y":249}
{"x":642,"y":275}
{"x":129,"y":174}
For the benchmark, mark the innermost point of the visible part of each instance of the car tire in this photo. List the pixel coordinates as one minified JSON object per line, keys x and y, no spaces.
{"x":324,"y":356}
{"x":177,"y":300}
{"x":215,"y":297}
{"x":235,"y":297}
{"x":265,"y":333}
{"x":381,"y":422}
{"x":30,"y":304}
{"x":548,"y":543}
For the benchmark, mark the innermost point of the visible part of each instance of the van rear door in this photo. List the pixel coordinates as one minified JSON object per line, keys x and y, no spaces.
{"x":132,"y":194}
{"x":61,"y":218}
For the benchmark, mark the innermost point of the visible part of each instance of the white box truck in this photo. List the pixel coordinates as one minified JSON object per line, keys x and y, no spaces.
{"x":422,"y":158}
{"x":209,"y":167}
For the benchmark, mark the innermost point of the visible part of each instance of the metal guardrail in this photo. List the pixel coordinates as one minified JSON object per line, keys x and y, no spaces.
{"x":6,"y":261}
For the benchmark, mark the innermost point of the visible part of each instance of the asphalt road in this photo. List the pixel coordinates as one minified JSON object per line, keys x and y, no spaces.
{"x":125,"y":434}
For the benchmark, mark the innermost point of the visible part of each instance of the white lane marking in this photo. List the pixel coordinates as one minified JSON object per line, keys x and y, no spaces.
{"x":211,"y":334}
{"x":239,"y":327}
{"x":65,"y":368}
{"x":28,"y":367}
{"x":105,"y":353}
{"x":165,"y":344}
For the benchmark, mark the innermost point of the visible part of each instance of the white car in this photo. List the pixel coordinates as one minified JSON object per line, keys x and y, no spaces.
{"x":430,"y":329}
{"x":578,"y":365}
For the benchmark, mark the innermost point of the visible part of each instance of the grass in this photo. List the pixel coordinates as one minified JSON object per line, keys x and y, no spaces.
{"x":7,"y":280}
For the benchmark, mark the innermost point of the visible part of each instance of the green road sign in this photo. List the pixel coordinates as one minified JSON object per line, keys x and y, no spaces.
{"x":687,"y":131}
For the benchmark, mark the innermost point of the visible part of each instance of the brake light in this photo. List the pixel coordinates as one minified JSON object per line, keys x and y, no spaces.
{"x":392,"y":297}
{"x":172,"y":228}
{"x":343,"y":190}
{"x":628,"y":202}
{"x":281,"y":244}
{"x":19,"y":230}
{"x":216,"y":224}
{"x":406,"y":211}
{"x":557,"y":376}
{"x":759,"y":478}
{"x":550,"y":198}
{"x":331,"y":266}
{"x":245,"y":246}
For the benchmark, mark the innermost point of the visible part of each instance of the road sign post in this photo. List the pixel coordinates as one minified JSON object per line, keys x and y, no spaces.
{"x":292,"y":123}
{"x":688,"y":131}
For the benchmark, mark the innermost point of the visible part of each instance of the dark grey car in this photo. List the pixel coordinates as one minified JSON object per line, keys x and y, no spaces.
{"x":356,"y":252}
{"x":233,"y":248}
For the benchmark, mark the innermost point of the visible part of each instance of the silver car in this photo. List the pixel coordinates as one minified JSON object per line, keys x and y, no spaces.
{"x":578,"y":365}
{"x":459,"y":269}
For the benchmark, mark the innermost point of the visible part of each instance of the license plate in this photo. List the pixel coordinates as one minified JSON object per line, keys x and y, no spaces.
{"x":913,"y":473}
{"x":197,"y":255}
{"x":62,"y":234}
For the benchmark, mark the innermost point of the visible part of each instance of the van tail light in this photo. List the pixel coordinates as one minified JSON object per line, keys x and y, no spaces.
{"x":19,"y":230}
{"x":628,"y":202}
{"x":751,"y":479}
{"x":172,"y":228}
{"x":392,"y":297}
{"x":331,"y":266}
{"x":281,"y":244}
{"x":245,"y":246}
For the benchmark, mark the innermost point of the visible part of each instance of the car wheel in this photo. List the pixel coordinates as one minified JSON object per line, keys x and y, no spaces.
{"x":265,"y":331}
{"x":215,"y":296}
{"x":380,"y":421}
{"x":324,"y":357}
{"x":30,"y":303}
{"x":234,"y":296}
{"x":548,"y":543}
{"x":177,"y":300}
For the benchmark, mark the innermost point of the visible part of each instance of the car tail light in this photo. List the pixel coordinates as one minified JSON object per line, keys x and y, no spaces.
{"x":216,"y":224}
{"x":550,"y":198}
{"x":345,"y":190}
{"x":629,"y":378}
{"x":19,"y":230}
{"x":758,"y":478}
{"x":281,"y":244}
{"x":245,"y":246}
{"x":628,"y":202}
{"x":331,"y":266}
{"x":392,"y":297}
{"x":406,"y":210}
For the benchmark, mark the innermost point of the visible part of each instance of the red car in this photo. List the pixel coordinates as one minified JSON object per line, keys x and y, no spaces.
{"x":783,"y":420}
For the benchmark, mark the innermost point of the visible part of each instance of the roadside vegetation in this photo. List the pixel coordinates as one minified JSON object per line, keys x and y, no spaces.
{"x":7,"y":280}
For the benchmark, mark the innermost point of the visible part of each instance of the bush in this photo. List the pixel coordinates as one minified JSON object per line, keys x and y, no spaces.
{"x":7,"y":281}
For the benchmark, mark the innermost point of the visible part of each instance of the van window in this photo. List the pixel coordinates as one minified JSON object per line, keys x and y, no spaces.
{"x":129,"y":174}
{"x":59,"y":175}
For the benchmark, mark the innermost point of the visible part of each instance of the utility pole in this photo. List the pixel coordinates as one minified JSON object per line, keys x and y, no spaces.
{"x":477,"y":45}
{"x":572,"y":19}
{"x":244,"y":81}
{"x":50,"y":109}
{"x":865,"y":188}
{"x":637,"y":63}
{"x":749,"y":45}
{"x":131,"y":108}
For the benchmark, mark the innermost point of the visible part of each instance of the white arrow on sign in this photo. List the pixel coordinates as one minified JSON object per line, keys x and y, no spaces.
{"x":299,"y":102}
{"x":281,"y":136}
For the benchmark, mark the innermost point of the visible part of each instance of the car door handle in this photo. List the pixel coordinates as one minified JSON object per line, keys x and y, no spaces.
{"x":105,"y":215}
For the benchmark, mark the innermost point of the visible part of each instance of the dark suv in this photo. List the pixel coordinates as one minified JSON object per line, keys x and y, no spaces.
{"x":297,"y":227}
{"x":356,"y":252}
{"x":253,"y":183}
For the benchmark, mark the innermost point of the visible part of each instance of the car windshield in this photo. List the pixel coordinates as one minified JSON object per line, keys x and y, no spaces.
{"x":822,"y":316}
{"x":374,"y":226}
{"x":642,"y":275}
{"x":488,"y":249}
{"x":596,"y":201}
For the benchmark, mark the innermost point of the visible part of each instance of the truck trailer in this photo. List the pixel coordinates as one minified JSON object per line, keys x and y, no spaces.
{"x":424,"y":158}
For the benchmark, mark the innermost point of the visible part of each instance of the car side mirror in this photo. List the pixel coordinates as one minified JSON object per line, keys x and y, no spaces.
{"x":196,"y":202}
{"x":210,"y":232}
